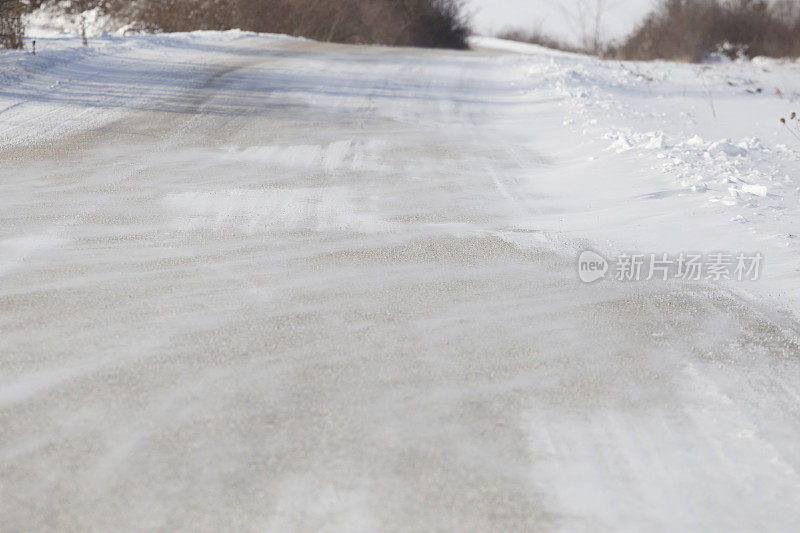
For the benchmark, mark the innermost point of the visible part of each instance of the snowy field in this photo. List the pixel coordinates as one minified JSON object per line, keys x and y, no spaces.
{"x":258,"y":283}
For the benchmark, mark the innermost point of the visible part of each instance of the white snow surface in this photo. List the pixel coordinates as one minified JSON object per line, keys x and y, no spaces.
{"x":676,"y":157}
{"x":261,"y":283}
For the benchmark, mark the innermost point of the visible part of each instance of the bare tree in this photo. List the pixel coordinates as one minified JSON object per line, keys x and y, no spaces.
{"x":586,"y":17}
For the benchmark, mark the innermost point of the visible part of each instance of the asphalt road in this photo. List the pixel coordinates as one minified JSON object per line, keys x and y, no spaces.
{"x":300,"y":296}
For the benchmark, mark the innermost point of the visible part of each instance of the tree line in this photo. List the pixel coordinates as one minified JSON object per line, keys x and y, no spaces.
{"x":684,"y":30}
{"x":427,"y":23}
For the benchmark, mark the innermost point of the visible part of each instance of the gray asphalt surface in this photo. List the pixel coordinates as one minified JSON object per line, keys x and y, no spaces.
{"x":297,"y":297}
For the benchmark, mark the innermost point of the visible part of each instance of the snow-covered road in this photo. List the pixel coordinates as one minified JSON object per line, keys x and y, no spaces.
{"x":251,"y":283}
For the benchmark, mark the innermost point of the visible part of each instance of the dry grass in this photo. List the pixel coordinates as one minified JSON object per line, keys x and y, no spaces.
{"x":792,"y":124}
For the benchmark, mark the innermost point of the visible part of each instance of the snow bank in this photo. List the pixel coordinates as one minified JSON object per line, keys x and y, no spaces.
{"x":675,"y":157}
{"x":503,"y":45}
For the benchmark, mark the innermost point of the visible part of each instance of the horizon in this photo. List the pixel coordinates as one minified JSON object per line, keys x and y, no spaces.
{"x":492,"y":16}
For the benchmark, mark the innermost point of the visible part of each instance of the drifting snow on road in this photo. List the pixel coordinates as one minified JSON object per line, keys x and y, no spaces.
{"x":260,"y":283}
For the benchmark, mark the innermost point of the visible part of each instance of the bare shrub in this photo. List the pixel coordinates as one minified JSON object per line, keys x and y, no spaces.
{"x":436,"y":23}
{"x":12,"y":30}
{"x":432,"y":23}
{"x":690,"y":29}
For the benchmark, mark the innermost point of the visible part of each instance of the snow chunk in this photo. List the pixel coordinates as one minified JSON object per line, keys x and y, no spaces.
{"x":696,"y":141}
{"x":656,"y":142}
{"x":757,"y":190}
{"x":622,"y":144}
{"x":726,"y":147}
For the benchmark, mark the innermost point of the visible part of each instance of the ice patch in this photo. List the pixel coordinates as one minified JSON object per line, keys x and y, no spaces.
{"x":330,"y":157}
{"x":282,"y":156}
{"x":254,"y":210}
{"x":335,"y":155}
{"x":17,"y":250}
